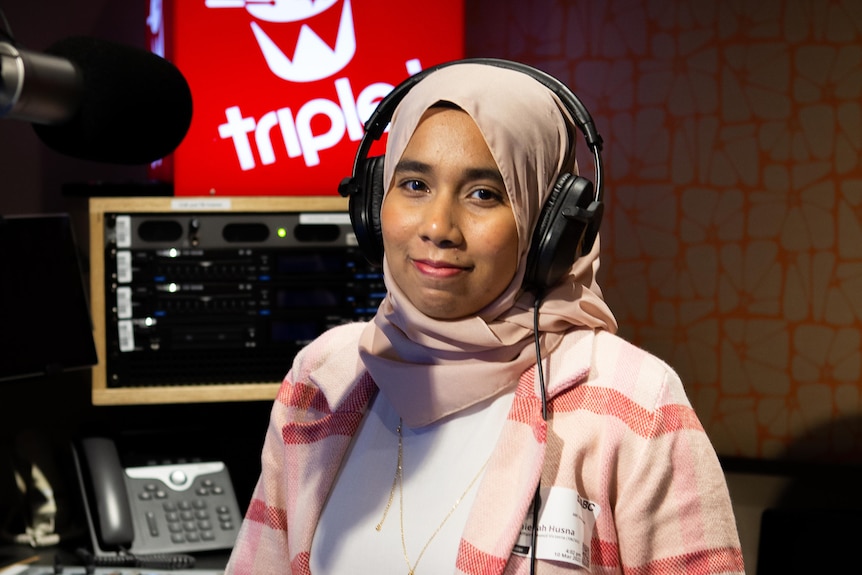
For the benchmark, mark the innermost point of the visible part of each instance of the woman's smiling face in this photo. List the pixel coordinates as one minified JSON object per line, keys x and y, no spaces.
{"x":449,"y":231}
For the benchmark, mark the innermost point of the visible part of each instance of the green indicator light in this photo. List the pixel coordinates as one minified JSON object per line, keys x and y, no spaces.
{"x":282,"y":232}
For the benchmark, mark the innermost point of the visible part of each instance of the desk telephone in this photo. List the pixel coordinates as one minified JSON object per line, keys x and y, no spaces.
{"x":154,"y":509}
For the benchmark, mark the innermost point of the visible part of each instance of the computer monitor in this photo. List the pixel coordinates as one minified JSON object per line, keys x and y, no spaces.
{"x":45,"y":322}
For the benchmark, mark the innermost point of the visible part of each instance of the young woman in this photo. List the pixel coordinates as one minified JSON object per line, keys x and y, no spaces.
{"x":421,"y":442}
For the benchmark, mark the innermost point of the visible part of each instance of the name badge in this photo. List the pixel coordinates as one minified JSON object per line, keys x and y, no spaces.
{"x":565,"y":530}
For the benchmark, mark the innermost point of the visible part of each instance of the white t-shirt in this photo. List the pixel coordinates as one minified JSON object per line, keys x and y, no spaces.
{"x":439,"y":463}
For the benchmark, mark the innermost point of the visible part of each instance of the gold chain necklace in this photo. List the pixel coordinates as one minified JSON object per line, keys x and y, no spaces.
{"x":398,"y":481}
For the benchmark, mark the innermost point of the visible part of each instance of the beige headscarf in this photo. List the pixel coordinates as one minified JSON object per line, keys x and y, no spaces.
{"x":430,"y":368}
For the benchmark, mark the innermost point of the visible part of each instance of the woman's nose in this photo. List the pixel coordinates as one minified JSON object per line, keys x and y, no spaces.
{"x":440,"y":222}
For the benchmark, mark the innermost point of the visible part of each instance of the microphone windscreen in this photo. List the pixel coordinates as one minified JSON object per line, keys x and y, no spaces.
{"x":136,"y":107}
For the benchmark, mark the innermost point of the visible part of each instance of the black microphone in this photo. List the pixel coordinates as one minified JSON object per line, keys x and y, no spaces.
{"x":97,"y":100}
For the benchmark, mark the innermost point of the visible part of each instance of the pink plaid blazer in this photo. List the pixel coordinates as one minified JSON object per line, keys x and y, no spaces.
{"x":621,"y":432}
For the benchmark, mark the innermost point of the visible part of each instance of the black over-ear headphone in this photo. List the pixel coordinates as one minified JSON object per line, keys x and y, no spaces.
{"x":570,"y":218}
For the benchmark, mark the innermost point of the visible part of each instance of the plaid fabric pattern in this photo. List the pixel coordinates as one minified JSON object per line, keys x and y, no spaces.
{"x":621,"y":432}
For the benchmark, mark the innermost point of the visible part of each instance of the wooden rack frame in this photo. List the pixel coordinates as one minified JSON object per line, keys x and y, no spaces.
{"x":202,"y":393}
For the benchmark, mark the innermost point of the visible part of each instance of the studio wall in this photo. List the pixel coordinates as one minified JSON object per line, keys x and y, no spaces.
{"x":732,"y":244}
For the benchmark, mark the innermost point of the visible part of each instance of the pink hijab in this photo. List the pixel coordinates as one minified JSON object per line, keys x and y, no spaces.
{"x":430,"y":368}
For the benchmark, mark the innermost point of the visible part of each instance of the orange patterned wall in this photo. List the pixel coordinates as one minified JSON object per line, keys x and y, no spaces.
{"x":732,"y":244}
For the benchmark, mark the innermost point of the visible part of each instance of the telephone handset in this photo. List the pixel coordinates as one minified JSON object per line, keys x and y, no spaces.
{"x":154,"y":509}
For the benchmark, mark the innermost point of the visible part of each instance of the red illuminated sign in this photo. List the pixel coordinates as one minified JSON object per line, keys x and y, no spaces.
{"x":281,"y":88}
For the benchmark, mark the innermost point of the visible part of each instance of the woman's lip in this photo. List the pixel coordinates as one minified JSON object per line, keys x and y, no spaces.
{"x":437,"y":268}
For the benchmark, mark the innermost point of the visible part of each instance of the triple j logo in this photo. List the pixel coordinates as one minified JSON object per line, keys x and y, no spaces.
{"x":312,"y":60}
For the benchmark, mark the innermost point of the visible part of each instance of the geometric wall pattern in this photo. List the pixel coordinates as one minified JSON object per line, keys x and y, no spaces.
{"x":732,"y":240}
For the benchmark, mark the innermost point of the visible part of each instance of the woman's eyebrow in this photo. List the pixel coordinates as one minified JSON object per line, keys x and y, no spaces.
{"x":485,"y":174}
{"x":418,"y":167}
{"x":412,"y":166}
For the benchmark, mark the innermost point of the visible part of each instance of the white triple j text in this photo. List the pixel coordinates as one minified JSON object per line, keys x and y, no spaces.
{"x":345,"y":116}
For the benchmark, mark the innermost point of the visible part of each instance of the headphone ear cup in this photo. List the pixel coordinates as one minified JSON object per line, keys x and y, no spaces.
{"x":560,"y":231}
{"x":364,"y":208}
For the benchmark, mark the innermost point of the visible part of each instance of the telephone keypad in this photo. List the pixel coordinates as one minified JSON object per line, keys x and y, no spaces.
{"x":190,"y":521}
{"x":186,"y":507}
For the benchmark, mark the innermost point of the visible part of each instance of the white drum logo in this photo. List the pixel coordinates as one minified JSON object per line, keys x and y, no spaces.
{"x":313,"y":59}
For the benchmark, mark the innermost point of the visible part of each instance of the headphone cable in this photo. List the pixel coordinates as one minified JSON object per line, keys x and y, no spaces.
{"x":537,"y":497}
{"x":539,"y":369}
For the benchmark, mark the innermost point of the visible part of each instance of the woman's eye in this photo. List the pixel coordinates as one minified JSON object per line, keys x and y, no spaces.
{"x":414,"y":185}
{"x":487,"y":195}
